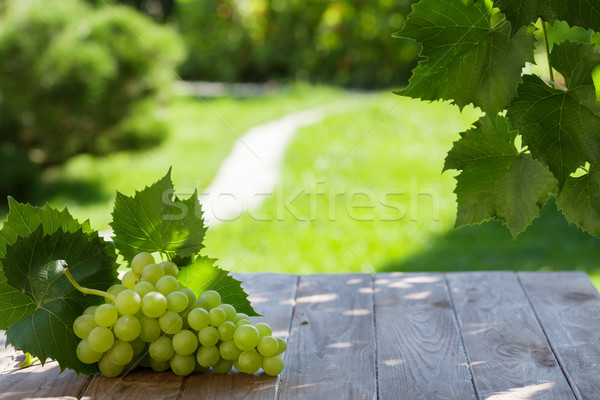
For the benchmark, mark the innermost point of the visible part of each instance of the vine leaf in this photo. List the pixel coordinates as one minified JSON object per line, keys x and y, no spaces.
{"x":496,"y":180}
{"x":561,"y":127}
{"x":202,"y":275}
{"x":468,"y":60}
{"x":585,"y":14}
{"x":579,"y":200}
{"x":22,"y":220}
{"x":34,"y":264}
{"x":155,"y":220}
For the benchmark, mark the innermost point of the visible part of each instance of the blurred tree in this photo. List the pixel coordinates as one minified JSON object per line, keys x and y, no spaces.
{"x":75,"y":79}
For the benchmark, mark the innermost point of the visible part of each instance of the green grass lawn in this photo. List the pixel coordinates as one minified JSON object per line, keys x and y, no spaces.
{"x":362,"y":191}
{"x":320,"y":218}
{"x":201,"y":134}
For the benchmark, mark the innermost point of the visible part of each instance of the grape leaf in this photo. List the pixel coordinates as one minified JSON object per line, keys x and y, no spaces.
{"x":156,"y":220}
{"x":202,"y":275}
{"x":22,"y":220}
{"x":34,"y":265}
{"x":468,"y":60}
{"x":496,"y":180}
{"x":561,"y":127}
{"x":579,"y":200}
{"x":585,"y":13}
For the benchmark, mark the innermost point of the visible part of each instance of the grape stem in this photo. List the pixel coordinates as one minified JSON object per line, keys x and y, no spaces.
{"x":547,"y":50}
{"x":29,"y":361}
{"x":85,"y":290}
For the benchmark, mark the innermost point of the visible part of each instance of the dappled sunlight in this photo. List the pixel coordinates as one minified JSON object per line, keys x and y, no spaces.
{"x":339,"y":345}
{"x":356,"y":312}
{"x":317,"y":298}
{"x":392,"y":362}
{"x":522,"y":393}
{"x":418,"y":295}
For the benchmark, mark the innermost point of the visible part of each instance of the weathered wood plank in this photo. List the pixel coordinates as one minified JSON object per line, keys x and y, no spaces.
{"x":508,"y":353}
{"x":41,"y":382}
{"x":331,"y":350}
{"x":568,"y":307}
{"x":273,"y":296}
{"x":140,"y":384}
{"x":9,"y":357}
{"x":419,"y":350}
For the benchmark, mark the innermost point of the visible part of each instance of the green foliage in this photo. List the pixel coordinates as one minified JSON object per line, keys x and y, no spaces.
{"x":344,"y":42}
{"x":154,"y":219}
{"x":34,"y":265}
{"x":474,"y":55}
{"x":38,"y":304}
{"x":202,"y":274}
{"x":75,"y":79}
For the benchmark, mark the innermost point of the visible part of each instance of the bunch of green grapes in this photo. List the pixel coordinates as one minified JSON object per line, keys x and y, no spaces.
{"x":156,"y":322}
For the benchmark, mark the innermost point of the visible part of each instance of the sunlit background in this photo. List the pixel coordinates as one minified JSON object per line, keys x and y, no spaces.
{"x":98,"y":96}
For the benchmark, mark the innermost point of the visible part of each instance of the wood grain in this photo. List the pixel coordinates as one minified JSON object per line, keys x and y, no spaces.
{"x":568,"y":307}
{"x":508,"y":353}
{"x":273,"y":296}
{"x":330,"y":353}
{"x":140,"y":384}
{"x":9,"y":357}
{"x":41,"y":382}
{"x":419,"y":352}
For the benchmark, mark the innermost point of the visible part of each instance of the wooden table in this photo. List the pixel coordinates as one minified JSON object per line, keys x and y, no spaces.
{"x":489,"y":335}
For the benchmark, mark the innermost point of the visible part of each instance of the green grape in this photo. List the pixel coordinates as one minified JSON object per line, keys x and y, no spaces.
{"x":282,"y":345}
{"x":127,"y":328}
{"x":208,"y":336}
{"x":264,"y":329}
{"x":101,"y":339}
{"x":150,"y":329}
{"x":222,"y":366}
{"x":138,"y":346}
{"x":114,"y":290}
{"x":246,"y":337}
{"x":140,"y":261}
{"x":185,"y":342}
{"x":108,"y":368}
{"x":229,"y":351}
{"x":190,"y":295}
{"x":83,"y":325}
{"x":170,"y":268}
{"x":91,"y":310}
{"x":249,"y":361}
{"x":240,"y":315}
{"x":230,"y":313}
{"x":226,"y":330}
{"x":177,"y":301}
{"x":129,"y":280}
{"x":184,"y":318}
{"x":201,"y":304}
{"x":242,"y":321}
{"x":85,"y":354}
{"x":212,"y":298}
{"x":170,"y":322}
{"x":154,"y":304}
{"x":143,"y":288}
{"x":159,"y":366}
{"x":272,"y":365}
{"x":208,"y":356}
{"x":120,"y":353}
{"x":217,"y":316}
{"x":268,"y":346}
{"x":167,"y":284}
{"x":106,"y":315}
{"x":236,"y":365}
{"x":152,"y":273}
{"x":161,"y":349}
{"x":128,"y":302}
{"x":182,"y":365}
{"x":198,"y":319}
